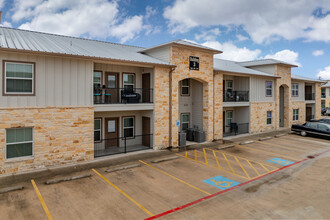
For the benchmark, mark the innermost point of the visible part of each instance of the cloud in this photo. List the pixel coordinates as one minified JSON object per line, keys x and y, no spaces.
{"x":324,"y":74}
{"x":318,"y":53}
{"x":82,"y":18}
{"x":288,"y":56}
{"x":264,"y":21}
{"x":209,"y":35}
{"x":241,"y":37}
{"x":232,"y":52}
{"x":150,"y":12}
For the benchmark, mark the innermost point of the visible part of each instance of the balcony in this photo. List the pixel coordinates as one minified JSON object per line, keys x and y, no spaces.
{"x":309,"y":96}
{"x":236,"y":96}
{"x":122,"y":96}
{"x":236,"y":129}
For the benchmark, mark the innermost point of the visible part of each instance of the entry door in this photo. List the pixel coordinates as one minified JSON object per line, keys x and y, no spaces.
{"x":145,"y":131}
{"x":309,"y":112}
{"x":281,"y":106}
{"x":111,"y":132}
{"x":146,"y":88}
{"x":111,"y":83}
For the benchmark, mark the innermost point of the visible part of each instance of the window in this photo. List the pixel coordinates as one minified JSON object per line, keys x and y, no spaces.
{"x":128,"y":80}
{"x":322,"y":103}
{"x":323,"y":127}
{"x":323,"y":92}
{"x":295,"y":114}
{"x":19,"y":78}
{"x":269,"y":117}
{"x":185,"y":120}
{"x":97,"y":79}
{"x":19,"y":142}
{"x":97,"y":129}
{"x":128,"y":126}
{"x":185,"y":87}
{"x":229,"y":118}
{"x":295,"y":89}
{"x":269,"y":88}
{"x":229,"y":86}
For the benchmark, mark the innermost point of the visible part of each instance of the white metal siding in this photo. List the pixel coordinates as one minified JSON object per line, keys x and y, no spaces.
{"x":197,"y":104}
{"x":162,"y":54}
{"x":258,"y":90}
{"x":58,"y":82}
{"x":266,"y":69}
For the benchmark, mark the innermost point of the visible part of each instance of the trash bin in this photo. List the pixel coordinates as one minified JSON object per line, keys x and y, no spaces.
{"x":190,"y":134}
{"x":199,"y":136}
{"x":182,"y":138}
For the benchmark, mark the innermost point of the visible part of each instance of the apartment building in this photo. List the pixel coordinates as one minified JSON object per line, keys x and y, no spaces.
{"x":67,"y":100}
{"x":325,"y":95}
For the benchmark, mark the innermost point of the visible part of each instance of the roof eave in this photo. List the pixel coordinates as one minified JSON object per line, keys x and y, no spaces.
{"x":180,"y":45}
{"x":250,"y":74}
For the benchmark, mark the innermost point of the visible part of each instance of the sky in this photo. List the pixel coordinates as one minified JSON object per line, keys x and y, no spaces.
{"x":294,"y":31}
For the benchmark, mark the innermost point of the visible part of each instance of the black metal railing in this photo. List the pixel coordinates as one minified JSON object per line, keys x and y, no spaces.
{"x":120,"y":145}
{"x":309,"y":117}
{"x":121,"y":95}
{"x":236,"y":96}
{"x":309,"y":96}
{"x":236,"y":129}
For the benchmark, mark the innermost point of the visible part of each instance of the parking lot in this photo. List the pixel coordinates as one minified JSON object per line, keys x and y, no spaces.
{"x":204,"y":182}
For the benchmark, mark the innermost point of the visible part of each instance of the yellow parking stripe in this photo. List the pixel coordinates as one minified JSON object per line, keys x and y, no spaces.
{"x":283,"y":147}
{"x":253,"y":168}
{"x":188,"y":184}
{"x":242,"y":167}
{"x":196,"y":155}
{"x":265,"y":168}
{"x":228,"y":163}
{"x":213,"y":166}
{"x":216,"y":159}
{"x":44,"y":206}
{"x":205,"y":156}
{"x":122,"y":192}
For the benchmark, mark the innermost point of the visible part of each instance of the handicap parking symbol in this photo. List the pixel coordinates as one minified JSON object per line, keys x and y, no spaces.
{"x":221,"y":182}
{"x":280,"y":161}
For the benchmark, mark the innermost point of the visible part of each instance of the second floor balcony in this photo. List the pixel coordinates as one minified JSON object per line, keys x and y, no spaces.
{"x":309,"y":96}
{"x":122,"y":95}
{"x":236,"y":96}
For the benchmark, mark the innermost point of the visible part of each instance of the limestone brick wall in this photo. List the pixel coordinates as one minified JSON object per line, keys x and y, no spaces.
{"x":161,"y":107}
{"x":301,"y":105}
{"x":61,"y":135}
{"x":180,"y":57}
{"x":258,"y":117}
{"x":218,"y":106}
{"x":318,"y":101}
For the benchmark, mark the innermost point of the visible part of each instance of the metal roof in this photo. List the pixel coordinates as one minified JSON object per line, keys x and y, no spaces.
{"x":327,"y":84}
{"x":265,"y":62}
{"x":24,"y":40}
{"x":184,"y":43}
{"x":305,"y":78}
{"x":231,"y":66}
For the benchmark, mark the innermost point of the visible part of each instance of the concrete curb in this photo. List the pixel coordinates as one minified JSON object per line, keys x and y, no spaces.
{"x":53,"y":181}
{"x":9,"y":179}
{"x":224,"y":147}
{"x":246,"y":142}
{"x":265,"y":138}
{"x":10,"y":189}
{"x":280,"y":135}
{"x":165,"y":159}
{"x":122,"y":168}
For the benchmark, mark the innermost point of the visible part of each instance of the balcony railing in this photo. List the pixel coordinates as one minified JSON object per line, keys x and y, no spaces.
{"x":123,"y":96}
{"x":309,"y":96}
{"x":236,"y":129}
{"x":236,"y":96}
{"x":120,"y":145}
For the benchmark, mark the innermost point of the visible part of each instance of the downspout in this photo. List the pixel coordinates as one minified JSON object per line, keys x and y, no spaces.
{"x":213,"y":106}
{"x":170,"y":107}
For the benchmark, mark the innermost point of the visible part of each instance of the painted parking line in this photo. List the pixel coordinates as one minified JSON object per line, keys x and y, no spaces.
{"x":221,"y":182}
{"x":280,"y":161}
{"x":42,"y":201}
{"x":122,"y":192}
{"x":283,"y":147}
{"x":182,"y":181}
{"x":307,"y":139}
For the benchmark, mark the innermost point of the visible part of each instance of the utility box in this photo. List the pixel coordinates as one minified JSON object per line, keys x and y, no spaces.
{"x":182,"y":138}
{"x":199,"y":136}
{"x":190,"y":134}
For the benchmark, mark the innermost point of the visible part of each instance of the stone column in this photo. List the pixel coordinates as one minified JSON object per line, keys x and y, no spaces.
{"x":218,"y":107}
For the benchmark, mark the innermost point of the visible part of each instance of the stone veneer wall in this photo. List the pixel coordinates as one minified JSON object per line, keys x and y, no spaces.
{"x":301,"y":105}
{"x":318,"y":101}
{"x":218,"y":106}
{"x":61,"y":135}
{"x":258,"y":117}
{"x":180,"y":58}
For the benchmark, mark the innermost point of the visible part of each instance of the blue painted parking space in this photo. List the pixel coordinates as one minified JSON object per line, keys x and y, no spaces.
{"x":280,"y":161}
{"x":221,"y":182}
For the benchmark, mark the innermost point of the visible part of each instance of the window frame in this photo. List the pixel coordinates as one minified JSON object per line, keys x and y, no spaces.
{"x":271,"y":89}
{"x":295,"y":90}
{"x":232,"y":116}
{"x":232,"y":85}
{"x":123,"y":127}
{"x":295,"y":116}
{"x":100,"y":130}
{"x":182,"y":114}
{"x":22,"y":157}
{"x":134,"y":80}
{"x":271,"y":118}
{"x":4,"y":79}
{"x":188,"y":86}
{"x":98,"y":71}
